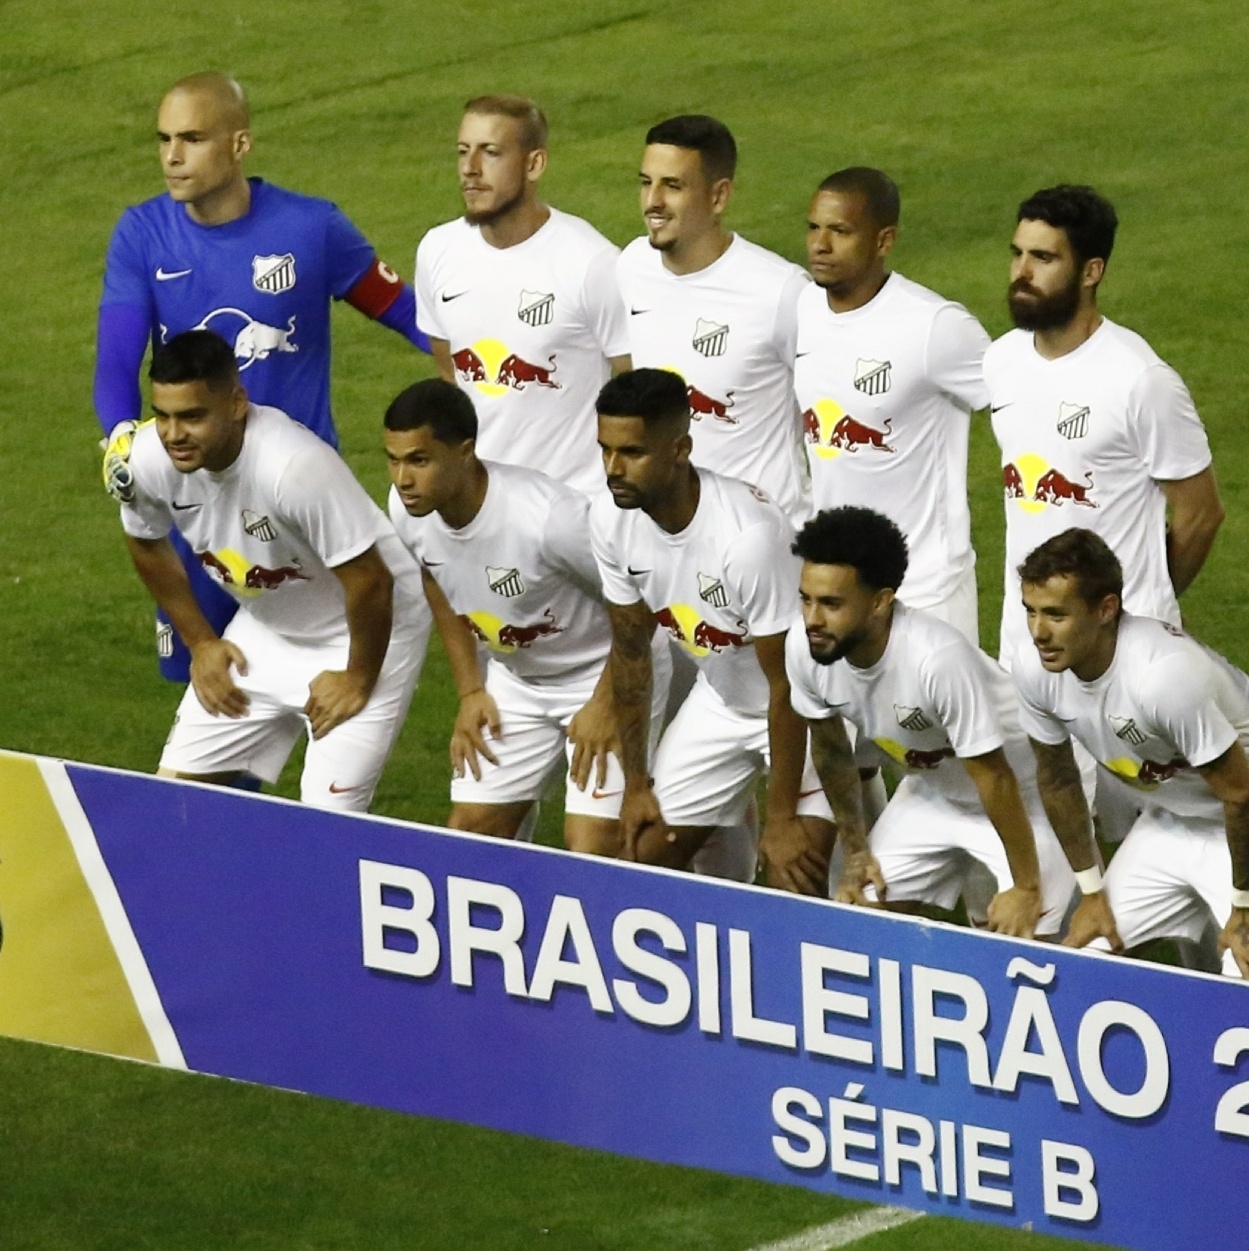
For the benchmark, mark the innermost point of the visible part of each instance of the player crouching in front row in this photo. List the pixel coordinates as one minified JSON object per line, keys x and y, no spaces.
{"x":332,"y":626}
{"x":1159,"y":712}
{"x":924,"y":700}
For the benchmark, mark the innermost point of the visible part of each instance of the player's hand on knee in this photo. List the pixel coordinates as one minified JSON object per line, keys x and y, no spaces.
{"x":859,"y":870}
{"x":118,"y":478}
{"x":1235,"y":938}
{"x":791,"y":860}
{"x":1015,"y":912}
{"x":334,"y":696}
{"x":478,"y":716}
{"x":1093,"y":919}
{"x":640,"y":817}
{"x":211,"y":663}
{"x":592,"y":733}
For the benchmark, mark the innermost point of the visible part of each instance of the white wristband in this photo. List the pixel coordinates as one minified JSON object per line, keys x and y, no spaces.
{"x":1089,"y":880}
{"x":1240,"y":898}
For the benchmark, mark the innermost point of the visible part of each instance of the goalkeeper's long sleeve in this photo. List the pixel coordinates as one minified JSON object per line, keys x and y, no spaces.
{"x":120,"y":342}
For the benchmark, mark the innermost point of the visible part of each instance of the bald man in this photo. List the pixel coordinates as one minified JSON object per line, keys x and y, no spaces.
{"x":236,"y":255}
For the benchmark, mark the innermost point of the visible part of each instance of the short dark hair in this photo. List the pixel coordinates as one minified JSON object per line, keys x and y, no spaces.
{"x":534,"y":131}
{"x":865,"y":540}
{"x":879,"y":191}
{"x":1081,"y":556}
{"x":709,"y":137}
{"x":195,"y":356}
{"x":656,"y":396}
{"x":1087,"y":219}
{"x":442,"y":406}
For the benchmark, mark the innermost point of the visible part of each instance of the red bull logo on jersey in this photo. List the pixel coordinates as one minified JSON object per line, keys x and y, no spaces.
{"x":704,"y":405}
{"x":494,"y":369}
{"x":830,"y":431}
{"x":913,"y":757}
{"x":504,"y":637}
{"x":253,"y":340}
{"x":234,"y":570}
{"x":699,"y":637}
{"x":1146,"y":775}
{"x":1034,"y":484}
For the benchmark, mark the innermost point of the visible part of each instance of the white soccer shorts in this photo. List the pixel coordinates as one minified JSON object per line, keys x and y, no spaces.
{"x":927,"y":847}
{"x":709,"y":760}
{"x":341,"y":769}
{"x":1169,"y":878}
{"x":534,"y":745}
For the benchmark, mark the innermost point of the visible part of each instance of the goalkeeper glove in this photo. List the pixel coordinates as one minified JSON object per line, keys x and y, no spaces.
{"x":118,"y":479}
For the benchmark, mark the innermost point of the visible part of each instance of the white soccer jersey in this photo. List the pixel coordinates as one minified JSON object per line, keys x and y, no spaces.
{"x":531,"y":329}
{"x":272,"y":527}
{"x":728,"y":330}
{"x":931,"y":699}
{"x":886,"y":391}
{"x":725,"y":580}
{"x":1165,"y":706}
{"x":520,"y":574}
{"x":1085,"y":439}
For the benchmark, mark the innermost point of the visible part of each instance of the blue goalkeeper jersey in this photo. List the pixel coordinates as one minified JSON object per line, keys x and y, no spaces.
{"x":262,"y":282}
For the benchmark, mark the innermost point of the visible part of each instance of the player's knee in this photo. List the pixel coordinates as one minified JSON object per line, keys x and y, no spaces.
{"x":594,"y":836}
{"x":492,"y":820}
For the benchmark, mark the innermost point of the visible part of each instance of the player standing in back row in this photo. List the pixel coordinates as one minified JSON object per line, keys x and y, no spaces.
{"x":520,"y":300}
{"x":717,"y":309}
{"x":887,"y":373}
{"x":1095,"y":429}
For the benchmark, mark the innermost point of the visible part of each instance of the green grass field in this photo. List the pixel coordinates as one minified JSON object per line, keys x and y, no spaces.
{"x":970,"y":107}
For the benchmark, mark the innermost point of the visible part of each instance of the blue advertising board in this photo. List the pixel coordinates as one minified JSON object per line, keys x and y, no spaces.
{"x":669,"y":1017}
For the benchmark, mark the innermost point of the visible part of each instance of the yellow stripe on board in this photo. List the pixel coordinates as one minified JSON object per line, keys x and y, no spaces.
{"x":60,"y":979}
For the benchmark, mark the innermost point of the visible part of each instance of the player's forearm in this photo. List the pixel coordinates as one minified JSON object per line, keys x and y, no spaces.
{"x":370,"y":608}
{"x":834,"y":762}
{"x":121,"y":340}
{"x":631,"y":696}
{"x":1003,"y":805}
{"x":1237,"y":818}
{"x":1196,"y":513}
{"x":1062,"y":796}
{"x":161,"y":571}
{"x":787,"y":742}
{"x":458,"y":642}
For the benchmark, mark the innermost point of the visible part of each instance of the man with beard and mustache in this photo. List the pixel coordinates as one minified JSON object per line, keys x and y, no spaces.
{"x":520,"y":300}
{"x":929,"y":705}
{"x":887,"y":373}
{"x":1094,"y":428}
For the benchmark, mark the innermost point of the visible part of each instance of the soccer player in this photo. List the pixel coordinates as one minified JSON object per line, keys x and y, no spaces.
{"x":253,"y":262}
{"x":505,"y":553}
{"x":718,"y":309}
{"x":1157,"y":710}
{"x":707,"y":558}
{"x":331,"y":627}
{"x":923,"y":699}
{"x":887,"y":373}
{"x":1094,"y":428}
{"x":520,"y":300}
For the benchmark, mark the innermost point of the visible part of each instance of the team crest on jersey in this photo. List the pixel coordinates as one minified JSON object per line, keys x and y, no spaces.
{"x":872,"y":377}
{"x":273,"y":274}
{"x":1126,"y":729}
{"x":537,"y":308}
{"x":712,"y":591}
{"x":506,"y":582}
{"x":258,"y":527}
{"x":710,"y":338}
{"x":164,"y":640}
{"x":913,"y":719}
{"x":1073,"y":420}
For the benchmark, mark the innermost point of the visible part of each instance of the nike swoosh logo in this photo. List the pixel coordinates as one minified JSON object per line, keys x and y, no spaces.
{"x":804,"y":794}
{"x":997,"y":408}
{"x":446,"y":299}
{"x":637,"y":312}
{"x":432,"y":564}
{"x":161,"y":276}
{"x":636,"y":572}
{"x":335,"y":789}
{"x":183,"y":507}
{"x":597,"y":794}
{"x":798,"y":354}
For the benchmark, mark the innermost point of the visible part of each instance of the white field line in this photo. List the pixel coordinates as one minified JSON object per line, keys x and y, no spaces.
{"x":843,"y":1232}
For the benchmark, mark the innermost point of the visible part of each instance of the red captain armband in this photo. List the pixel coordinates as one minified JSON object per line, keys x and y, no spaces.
{"x":378,"y":288}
